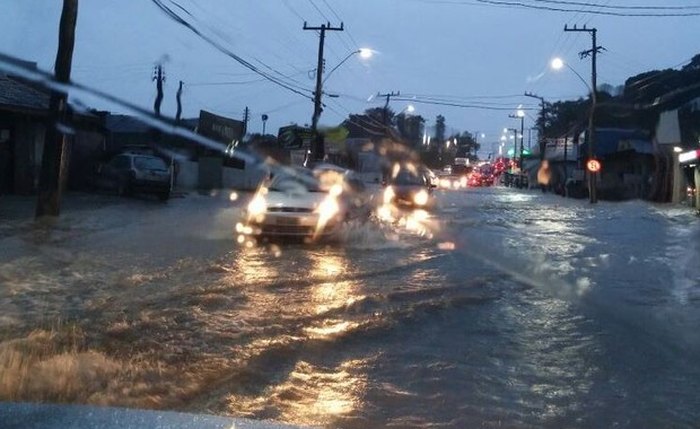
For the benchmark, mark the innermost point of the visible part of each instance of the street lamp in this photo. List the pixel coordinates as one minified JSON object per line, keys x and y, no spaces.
{"x":520,"y":114}
{"x":364,"y":53}
{"x":514,"y":137}
{"x":318,"y":144}
{"x":557,"y":64}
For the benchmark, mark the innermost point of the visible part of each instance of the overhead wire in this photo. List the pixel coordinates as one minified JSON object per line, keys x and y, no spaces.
{"x":461,"y":105}
{"x":608,"y":6}
{"x":173,"y":15}
{"x":220,"y":31}
{"x":337,"y":16}
{"x":521,"y":4}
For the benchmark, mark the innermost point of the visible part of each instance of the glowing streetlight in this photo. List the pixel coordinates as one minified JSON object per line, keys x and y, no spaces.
{"x":410,"y":108}
{"x":558,"y":64}
{"x":365,"y":53}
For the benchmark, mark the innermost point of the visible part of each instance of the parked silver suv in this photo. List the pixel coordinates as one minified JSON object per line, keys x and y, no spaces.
{"x":130,"y":173}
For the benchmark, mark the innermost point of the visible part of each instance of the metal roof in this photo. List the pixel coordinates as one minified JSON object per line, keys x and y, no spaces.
{"x":15,"y":94}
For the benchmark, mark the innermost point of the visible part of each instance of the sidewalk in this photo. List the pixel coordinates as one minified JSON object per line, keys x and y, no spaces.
{"x":14,"y":207}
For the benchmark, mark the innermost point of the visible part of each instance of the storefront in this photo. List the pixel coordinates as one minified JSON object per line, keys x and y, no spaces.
{"x":690,"y":162}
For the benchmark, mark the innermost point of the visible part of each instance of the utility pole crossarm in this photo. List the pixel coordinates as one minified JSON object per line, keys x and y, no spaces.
{"x":388,"y":97}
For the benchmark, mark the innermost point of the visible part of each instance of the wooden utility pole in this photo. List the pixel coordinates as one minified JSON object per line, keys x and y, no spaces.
{"x":246,"y":118}
{"x":178,"y":114}
{"x":543,"y":123}
{"x":388,"y":97}
{"x":522,"y":139}
{"x":593,"y":53}
{"x":317,"y":147}
{"x":54,"y":158}
{"x":159,"y":78}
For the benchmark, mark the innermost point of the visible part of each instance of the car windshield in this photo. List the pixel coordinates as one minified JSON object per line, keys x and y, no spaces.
{"x":408,"y":178}
{"x":294,"y":183}
{"x":149,"y":163}
{"x":350,"y":214}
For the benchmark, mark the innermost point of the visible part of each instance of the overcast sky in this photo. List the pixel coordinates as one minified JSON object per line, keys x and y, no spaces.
{"x":455,"y":48}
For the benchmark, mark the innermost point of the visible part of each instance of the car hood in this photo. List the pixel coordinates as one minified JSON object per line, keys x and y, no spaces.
{"x":302,"y":200}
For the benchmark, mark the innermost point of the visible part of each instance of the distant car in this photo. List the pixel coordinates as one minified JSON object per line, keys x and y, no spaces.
{"x":433,"y":178}
{"x":475,"y":180}
{"x":461,"y":170}
{"x":411,"y":190}
{"x":130,"y":173}
{"x":482,"y":176}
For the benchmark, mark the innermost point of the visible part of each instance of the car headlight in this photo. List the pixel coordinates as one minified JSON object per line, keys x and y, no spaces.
{"x":389,"y":195}
{"x":421,"y":197}
{"x":327,"y":211}
{"x":328,"y":208}
{"x":257,"y":206}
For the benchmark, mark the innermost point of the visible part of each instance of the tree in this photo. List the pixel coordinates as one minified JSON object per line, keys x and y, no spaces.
{"x":693,"y":65}
{"x":410,"y":129}
{"x":377,"y":114}
{"x":363,"y":126}
{"x":566,"y":117}
{"x":467,"y":147}
{"x":440,"y":128}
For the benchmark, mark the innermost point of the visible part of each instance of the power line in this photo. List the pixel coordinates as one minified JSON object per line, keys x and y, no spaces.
{"x":462,"y":105}
{"x":291,"y":8}
{"x":323,"y":15}
{"x":237,"y":82}
{"x":337,"y":16}
{"x":597,"y":7}
{"x":283,"y":107}
{"x":520,"y":4}
{"x":609,"y":6}
{"x":226,"y":83}
{"x":467,"y":97}
{"x":514,"y":4}
{"x":222,"y":34}
{"x":180,"y":20}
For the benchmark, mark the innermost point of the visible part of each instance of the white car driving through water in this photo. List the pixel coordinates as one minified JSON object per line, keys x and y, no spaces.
{"x":296,"y":203}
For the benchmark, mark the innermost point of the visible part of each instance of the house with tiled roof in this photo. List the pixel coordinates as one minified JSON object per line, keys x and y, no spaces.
{"x":24,"y":118}
{"x":23,"y":115}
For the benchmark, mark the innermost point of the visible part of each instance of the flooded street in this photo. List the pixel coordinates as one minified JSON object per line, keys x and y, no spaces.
{"x":517,"y":310}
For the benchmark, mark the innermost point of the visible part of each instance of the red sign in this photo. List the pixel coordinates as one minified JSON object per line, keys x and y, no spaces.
{"x":593,"y":166}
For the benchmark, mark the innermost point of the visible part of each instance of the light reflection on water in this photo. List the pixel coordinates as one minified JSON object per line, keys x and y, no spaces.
{"x":331,"y":335}
{"x":316,"y":394}
{"x":334,"y":293}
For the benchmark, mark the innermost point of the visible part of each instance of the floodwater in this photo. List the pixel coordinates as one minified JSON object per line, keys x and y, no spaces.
{"x":513,"y":309}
